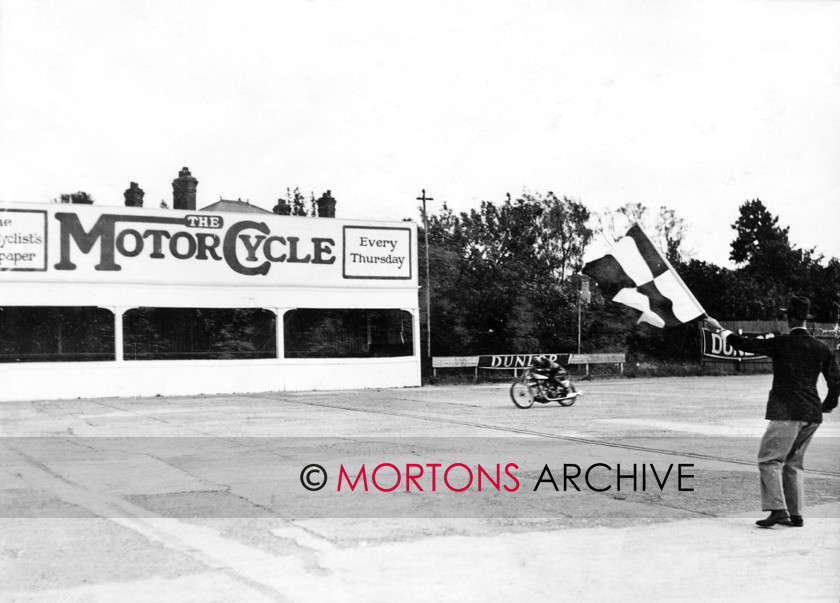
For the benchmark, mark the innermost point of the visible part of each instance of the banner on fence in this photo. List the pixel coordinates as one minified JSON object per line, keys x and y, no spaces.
{"x":714,"y":346}
{"x":512,"y":361}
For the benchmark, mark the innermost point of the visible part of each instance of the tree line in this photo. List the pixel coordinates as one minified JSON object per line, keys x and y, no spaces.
{"x":504,"y":277}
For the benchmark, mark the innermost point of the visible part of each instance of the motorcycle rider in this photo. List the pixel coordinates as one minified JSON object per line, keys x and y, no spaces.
{"x":548,"y":366}
{"x":545,"y":381}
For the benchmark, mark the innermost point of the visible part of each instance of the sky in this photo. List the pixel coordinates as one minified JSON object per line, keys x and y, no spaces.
{"x":695,"y":105}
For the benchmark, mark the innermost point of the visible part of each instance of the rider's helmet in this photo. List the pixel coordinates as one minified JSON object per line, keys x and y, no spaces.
{"x":541,"y":362}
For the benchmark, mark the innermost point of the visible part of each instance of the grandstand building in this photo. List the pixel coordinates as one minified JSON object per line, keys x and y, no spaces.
{"x":102,"y":301}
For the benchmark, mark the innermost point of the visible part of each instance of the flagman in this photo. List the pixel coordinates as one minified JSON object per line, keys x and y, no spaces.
{"x":794,"y":410}
{"x":634,"y":273}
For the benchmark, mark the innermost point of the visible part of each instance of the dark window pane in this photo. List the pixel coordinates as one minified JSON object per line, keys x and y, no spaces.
{"x":319,"y":333}
{"x":56,"y":334}
{"x":198,"y":334}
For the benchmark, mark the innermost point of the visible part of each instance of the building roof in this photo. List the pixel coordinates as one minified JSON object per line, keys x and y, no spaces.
{"x":239,"y":207}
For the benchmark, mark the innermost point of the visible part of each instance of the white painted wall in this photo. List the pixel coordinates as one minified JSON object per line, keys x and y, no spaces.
{"x":70,"y":380}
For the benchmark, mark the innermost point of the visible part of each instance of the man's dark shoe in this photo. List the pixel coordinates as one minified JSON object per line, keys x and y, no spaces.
{"x":796,"y":521}
{"x":775,"y":517}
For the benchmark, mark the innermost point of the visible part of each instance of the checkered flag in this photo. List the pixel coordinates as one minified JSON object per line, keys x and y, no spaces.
{"x":635,"y":274}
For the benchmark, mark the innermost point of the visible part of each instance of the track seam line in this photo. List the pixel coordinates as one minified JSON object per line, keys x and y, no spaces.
{"x":575,"y":439}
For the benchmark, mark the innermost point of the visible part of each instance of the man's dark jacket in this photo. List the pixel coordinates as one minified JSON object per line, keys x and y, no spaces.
{"x":798,"y":360}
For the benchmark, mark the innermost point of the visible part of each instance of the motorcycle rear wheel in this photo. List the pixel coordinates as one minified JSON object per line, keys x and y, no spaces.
{"x":522,"y":394}
{"x":569,"y":401}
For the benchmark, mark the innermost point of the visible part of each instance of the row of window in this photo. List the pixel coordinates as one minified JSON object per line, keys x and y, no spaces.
{"x":73,"y":334}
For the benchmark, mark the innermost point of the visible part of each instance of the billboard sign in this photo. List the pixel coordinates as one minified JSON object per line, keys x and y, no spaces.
{"x":23,"y":237}
{"x":123,"y":244}
{"x":515,"y":361}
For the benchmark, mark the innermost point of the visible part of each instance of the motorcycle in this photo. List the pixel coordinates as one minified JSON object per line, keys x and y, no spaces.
{"x":537,"y":385}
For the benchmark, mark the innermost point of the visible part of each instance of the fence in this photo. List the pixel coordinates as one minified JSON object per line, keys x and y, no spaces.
{"x":454,"y":362}
{"x":515,"y":362}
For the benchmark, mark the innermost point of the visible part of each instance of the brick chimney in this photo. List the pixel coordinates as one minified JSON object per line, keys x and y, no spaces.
{"x":183,"y":190}
{"x":134,"y":196}
{"x":282,"y":208}
{"x":326,"y":206}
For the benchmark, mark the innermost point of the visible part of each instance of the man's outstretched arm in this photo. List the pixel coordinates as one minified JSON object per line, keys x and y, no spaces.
{"x":831,"y":372}
{"x":753,"y":345}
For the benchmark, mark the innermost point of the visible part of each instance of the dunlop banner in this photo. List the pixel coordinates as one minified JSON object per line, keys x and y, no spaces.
{"x":713,"y":346}
{"x":513,"y":361}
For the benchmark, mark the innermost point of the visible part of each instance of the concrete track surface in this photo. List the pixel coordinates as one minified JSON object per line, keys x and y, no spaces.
{"x":201,"y":498}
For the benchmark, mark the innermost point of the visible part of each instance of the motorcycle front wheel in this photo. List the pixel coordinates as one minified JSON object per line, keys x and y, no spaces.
{"x":522,"y":394}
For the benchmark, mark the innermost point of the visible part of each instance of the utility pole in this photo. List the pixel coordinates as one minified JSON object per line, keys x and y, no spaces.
{"x":424,"y":198}
{"x":583,"y":296}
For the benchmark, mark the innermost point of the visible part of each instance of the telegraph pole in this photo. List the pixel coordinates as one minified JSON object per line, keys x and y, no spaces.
{"x":424,"y":198}
{"x":583,"y":296}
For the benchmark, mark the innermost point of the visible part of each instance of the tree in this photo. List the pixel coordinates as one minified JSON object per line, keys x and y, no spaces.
{"x":763,"y":248}
{"x":733,"y":294}
{"x":822,"y":287}
{"x":667,"y":231}
{"x":501,"y":274}
{"x":565,"y":232}
{"x":614,"y":224}
{"x":503,"y":278}
{"x":670,"y":233}
{"x":766,"y":255}
{"x":79,"y":197}
{"x":297,"y":202}
{"x":759,"y":236}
